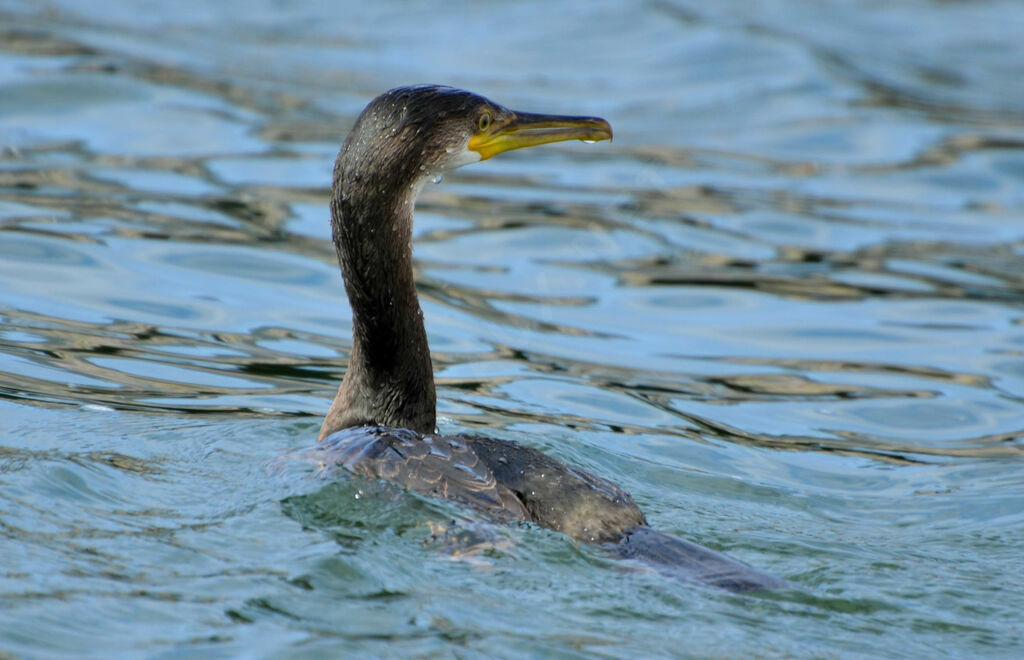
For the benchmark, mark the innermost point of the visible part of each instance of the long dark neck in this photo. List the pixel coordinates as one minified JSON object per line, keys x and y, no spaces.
{"x":389,"y":380}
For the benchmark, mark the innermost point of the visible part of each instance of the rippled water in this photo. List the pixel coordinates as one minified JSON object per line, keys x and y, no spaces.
{"x":785,"y":309}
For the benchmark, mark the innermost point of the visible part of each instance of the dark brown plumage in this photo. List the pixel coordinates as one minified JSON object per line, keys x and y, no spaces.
{"x":382,"y":420}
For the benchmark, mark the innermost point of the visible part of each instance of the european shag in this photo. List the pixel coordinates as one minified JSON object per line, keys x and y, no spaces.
{"x":382,"y":421}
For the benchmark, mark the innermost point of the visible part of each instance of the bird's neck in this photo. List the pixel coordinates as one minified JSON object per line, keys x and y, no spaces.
{"x":390,"y":379}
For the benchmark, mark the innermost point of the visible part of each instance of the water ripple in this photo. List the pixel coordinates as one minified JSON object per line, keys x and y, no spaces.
{"x":783,"y":309}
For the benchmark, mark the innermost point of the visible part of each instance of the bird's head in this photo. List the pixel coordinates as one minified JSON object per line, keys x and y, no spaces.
{"x":413,"y":133}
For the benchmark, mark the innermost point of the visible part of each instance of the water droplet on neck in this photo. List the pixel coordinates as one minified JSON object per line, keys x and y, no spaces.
{"x":439,"y":178}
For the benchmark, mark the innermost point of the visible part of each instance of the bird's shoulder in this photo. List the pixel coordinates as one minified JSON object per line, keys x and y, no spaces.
{"x":432,"y":465}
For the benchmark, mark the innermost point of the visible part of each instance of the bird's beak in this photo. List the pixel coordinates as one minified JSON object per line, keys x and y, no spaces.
{"x":527,"y":130}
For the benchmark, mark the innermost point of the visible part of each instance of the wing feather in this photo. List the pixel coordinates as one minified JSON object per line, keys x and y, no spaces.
{"x":430,"y":465}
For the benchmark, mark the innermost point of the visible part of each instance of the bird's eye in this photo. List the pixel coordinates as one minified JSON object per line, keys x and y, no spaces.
{"x":484,"y":122}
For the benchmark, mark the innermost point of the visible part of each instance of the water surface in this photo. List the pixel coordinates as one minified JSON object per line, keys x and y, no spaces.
{"x":784,"y":309}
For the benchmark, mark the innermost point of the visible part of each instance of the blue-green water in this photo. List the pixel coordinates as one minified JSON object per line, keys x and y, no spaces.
{"x":784,"y":309}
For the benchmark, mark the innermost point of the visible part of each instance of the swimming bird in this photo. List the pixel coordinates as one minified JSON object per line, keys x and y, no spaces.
{"x":382,"y":421}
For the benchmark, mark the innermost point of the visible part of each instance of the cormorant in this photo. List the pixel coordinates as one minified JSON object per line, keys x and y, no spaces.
{"x":382,"y":421}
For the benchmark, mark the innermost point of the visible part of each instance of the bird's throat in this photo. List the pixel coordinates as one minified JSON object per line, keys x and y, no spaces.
{"x":389,"y":380}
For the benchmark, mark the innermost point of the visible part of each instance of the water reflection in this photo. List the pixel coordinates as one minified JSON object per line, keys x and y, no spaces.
{"x":783,"y":308}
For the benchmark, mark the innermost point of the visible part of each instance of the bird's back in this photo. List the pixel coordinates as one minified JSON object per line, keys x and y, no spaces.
{"x":507,"y":481}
